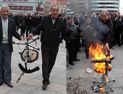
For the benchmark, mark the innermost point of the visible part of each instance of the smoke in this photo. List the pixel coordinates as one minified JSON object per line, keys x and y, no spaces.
{"x":93,"y":30}
{"x":98,"y":25}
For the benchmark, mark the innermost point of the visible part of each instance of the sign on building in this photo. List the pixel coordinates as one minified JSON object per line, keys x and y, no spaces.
{"x":22,"y":6}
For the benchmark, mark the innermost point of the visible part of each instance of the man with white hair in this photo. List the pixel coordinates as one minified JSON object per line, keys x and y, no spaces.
{"x":7,"y":31}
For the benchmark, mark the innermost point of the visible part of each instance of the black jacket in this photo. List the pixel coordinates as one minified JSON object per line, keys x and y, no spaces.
{"x":51,"y":34}
{"x":11,"y":32}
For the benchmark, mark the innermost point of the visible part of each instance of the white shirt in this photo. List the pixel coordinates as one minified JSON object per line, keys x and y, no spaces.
{"x":53,"y":21}
{"x":5,"y":30}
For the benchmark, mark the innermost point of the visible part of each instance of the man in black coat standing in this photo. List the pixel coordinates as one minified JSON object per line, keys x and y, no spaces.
{"x":52,"y":28}
{"x":7,"y":31}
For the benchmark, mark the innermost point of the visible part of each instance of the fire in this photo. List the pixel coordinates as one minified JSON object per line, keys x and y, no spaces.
{"x":102,"y":89}
{"x":97,"y":52}
{"x":106,"y":79}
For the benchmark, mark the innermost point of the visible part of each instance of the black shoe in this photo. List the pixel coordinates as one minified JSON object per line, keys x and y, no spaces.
{"x":1,"y":83}
{"x":119,"y":44}
{"x":76,"y":60}
{"x":44,"y":87}
{"x":87,"y":56}
{"x":71,"y":63}
{"x":45,"y":84}
{"x":9,"y":84}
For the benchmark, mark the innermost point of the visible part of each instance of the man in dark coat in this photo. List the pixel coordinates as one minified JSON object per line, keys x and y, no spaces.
{"x":73,"y":40}
{"x":52,"y":28}
{"x":105,"y":19}
{"x":7,"y":31}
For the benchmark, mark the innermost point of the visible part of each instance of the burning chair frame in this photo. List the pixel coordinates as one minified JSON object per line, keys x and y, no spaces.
{"x":103,"y":86}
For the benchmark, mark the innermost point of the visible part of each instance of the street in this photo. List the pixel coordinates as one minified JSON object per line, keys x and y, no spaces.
{"x":78,"y":74}
{"x":32,"y":83}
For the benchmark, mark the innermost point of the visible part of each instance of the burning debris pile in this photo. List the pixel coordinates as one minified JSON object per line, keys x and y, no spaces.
{"x":101,"y":58}
{"x":100,"y":54}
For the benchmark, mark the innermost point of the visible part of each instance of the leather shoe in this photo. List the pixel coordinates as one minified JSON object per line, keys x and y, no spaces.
{"x":45,"y":81}
{"x":76,"y":60}
{"x":44,"y":87}
{"x":9,"y":85}
{"x":45,"y":84}
{"x":71,"y":63}
{"x":48,"y":82}
{"x":1,"y":83}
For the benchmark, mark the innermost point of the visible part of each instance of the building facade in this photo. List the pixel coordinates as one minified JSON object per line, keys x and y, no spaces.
{"x":34,"y":6}
{"x":21,"y":6}
{"x":60,"y":3}
{"x":85,"y":6}
{"x":109,"y":5}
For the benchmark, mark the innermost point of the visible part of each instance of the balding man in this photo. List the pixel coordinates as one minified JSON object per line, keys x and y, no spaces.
{"x":52,"y":29}
{"x":7,"y":31}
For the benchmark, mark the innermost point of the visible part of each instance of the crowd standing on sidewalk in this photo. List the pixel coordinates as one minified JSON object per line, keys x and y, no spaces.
{"x":77,"y":31}
{"x":103,"y":27}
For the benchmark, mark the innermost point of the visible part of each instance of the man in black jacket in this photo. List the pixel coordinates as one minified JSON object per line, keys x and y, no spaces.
{"x":73,"y":40}
{"x":108,"y":36}
{"x":7,"y":31}
{"x":52,"y":29}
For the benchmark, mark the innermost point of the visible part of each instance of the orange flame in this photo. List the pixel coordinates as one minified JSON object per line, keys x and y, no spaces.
{"x":102,"y":89}
{"x":97,"y":52}
{"x":106,"y":79}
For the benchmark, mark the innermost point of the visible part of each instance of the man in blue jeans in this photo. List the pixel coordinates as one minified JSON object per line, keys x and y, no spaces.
{"x":7,"y":31}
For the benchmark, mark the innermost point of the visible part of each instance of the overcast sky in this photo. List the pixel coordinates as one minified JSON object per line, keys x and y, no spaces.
{"x":121,"y":6}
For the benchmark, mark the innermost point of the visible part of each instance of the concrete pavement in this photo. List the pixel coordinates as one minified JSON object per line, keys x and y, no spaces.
{"x":32,"y":83}
{"x":79,"y":74}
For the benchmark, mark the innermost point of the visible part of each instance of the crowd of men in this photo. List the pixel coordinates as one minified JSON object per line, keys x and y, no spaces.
{"x":26,"y":22}
{"x":103,"y":27}
{"x":76,"y":30}
{"x":109,"y":24}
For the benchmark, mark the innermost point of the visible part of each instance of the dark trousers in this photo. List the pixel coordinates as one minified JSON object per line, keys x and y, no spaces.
{"x":72,"y":55}
{"x":118,"y":37}
{"x":48,"y":60}
{"x":22,"y":31}
{"x":72,"y":48}
{"x":5,"y":63}
{"x":28,"y":30}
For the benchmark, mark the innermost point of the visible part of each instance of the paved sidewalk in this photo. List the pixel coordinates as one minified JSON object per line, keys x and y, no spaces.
{"x":32,"y":83}
{"x":78,"y":72}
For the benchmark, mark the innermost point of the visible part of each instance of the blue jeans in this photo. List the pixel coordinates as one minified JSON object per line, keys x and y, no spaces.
{"x":5,"y":63}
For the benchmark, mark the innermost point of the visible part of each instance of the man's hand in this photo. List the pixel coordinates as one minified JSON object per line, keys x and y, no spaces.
{"x":30,"y":36}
